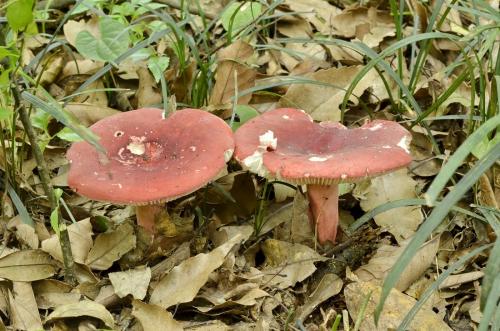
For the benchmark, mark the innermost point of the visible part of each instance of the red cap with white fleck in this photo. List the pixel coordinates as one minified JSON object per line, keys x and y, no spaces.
{"x":305,"y":152}
{"x":150,"y":159}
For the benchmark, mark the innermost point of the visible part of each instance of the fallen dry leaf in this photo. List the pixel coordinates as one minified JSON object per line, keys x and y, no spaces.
{"x":133,"y":281}
{"x":153,"y":317}
{"x":323,"y":102}
{"x":27,"y":235}
{"x":328,"y":286}
{"x":88,"y":114}
{"x":395,"y":309}
{"x":230,"y":60}
{"x":80,"y":237}
{"x":23,"y":308}
{"x":402,"y":222}
{"x":27,"y":266}
{"x":385,"y":257}
{"x":190,"y":276}
{"x":287,"y":263}
{"x":111,"y":246}
{"x":319,"y":12}
{"x":82,"y":308}
{"x":50,"y":293}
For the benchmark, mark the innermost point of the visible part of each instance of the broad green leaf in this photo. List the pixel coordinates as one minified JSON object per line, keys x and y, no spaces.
{"x":20,"y":14}
{"x":68,"y":135}
{"x":5,"y":114}
{"x":238,"y":15}
{"x":157,"y":65}
{"x":485,"y":146}
{"x":40,"y":120}
{"x":54,"y":220}
{"x":113,"y":41}
{"x":86,"y":5}
{"x":244,"y":113}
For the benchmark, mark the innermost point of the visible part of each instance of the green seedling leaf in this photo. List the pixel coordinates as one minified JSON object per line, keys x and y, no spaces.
{"x":237,"y":15}
{"x":54,"y":216}
{"x":68,"y":135}
{"x":485,"y":146}
{"x":86,"y":5}
{"x":5,"y":114}
{"x":40,"y":120}
{"x":112,"y":42}
{"x":157,"y":65}
{"x":244,"y":113}
{"x":20,"y":14}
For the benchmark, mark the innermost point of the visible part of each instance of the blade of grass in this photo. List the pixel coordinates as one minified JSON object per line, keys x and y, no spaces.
{"x":457,"y":159}
{"x":492,"y":269}
{"x":436,"y":217}
{"x":21,"y":209}
{"x":405,"y":324}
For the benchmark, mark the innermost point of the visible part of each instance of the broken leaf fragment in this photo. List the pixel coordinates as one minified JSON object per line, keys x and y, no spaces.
{"x":133,"y":281}
{"x":83,"y":308}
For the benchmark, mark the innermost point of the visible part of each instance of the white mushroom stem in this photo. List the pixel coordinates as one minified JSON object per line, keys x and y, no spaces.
{"x":147,"y":216}
{"x":324,"y":210}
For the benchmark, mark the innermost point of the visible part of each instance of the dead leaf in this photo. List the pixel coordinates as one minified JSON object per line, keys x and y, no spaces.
{"x":111,"y":246}
{"x":27,"y":235}
{"x":73,"y":28}
{"x":23,"y":309}
{"x":153,"y":317}
{"x":319,"y":12}
{"x":134,"y":281}
{"x":402,"y":222}
{"x":190,"y":276}
{"x":385,"y":257}
{"x":80,"y":237}
{"x":83,"y":308}
{"x":395,"y":309}
{"x":230,"y":60}
{"x":374,"y":22}
{"x":288,"y":264}
{"x":323,"y":102}
{"x":27,"y":266}
{"x":50,"y":293}
{"x":147,"y":93}
{"x":328,"y":286}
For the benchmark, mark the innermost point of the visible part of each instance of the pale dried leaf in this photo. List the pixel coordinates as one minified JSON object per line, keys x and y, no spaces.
{"x":83,"y":308}
{"x":329,"y":286}
{"x":395,"y":309}
{"x":153,"y":317}
{"x":147,"y":94}
{"x":111,"y":246}
{"x":80,"y":237}
{"x":23,"y":308}
{"x":27,"y":235}
{"x":50,"y":293}
{"x":385,"y":257}
{"x":190,"y":276}
{"x":287,"y":263}
{"x":319,"y":12}
{"x":230,"y":60}
{"x":323,"y":102}
{"x":27,"y":266}
{"x":134,"y":281}
{"x":402,"y":222}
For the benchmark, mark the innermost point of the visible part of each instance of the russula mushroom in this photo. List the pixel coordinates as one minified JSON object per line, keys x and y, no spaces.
{"x":150,"y":159}
{"x":287,"y":144}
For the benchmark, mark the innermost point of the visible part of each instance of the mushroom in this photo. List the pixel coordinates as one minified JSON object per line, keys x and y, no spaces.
{"x":150,"y":159}
{"x":286,"y":144}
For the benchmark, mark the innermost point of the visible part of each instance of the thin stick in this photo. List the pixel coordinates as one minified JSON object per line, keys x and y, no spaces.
{"x":69,"y":264}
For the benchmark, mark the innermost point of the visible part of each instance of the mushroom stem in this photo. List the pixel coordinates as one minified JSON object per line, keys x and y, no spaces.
{"x":324,"y":210}
{"x":147,"y":216}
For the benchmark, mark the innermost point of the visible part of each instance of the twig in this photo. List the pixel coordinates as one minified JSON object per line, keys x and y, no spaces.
{"x":69,"y":264}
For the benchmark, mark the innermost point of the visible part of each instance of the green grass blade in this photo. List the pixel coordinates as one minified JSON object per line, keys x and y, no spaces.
{"x":405,"y":324}
{"x":491,"y":305}
{"x":492,"y":269}
{"x":436,"y":217}
{"x":21,"y":209}
{"x":458,"y":157}
{"x":55,"y":110}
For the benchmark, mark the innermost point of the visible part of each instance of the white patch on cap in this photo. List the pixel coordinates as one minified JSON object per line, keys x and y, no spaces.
{"x":118,"y":133}
{"x":286,"y":117}
{"x":376,"y":127}
{"x":267,"y":140}
{"x":137,"y":147}
{"x":227,"y":154}
{"x":343,"y":176}
{"x":318,"y":158}
{"x":255,"y":163}
{"x":192,"y":148}
{"x":404,"y":143}
{"x":387,"y":146}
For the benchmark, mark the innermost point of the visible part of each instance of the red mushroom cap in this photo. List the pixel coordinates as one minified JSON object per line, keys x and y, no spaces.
{"x":150,"y":159}
{"x":305,"y":152}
